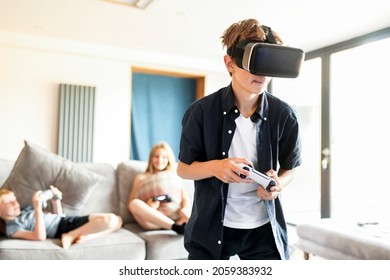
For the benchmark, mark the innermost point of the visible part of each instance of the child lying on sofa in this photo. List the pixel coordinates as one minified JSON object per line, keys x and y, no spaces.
{"x":33,"y":223}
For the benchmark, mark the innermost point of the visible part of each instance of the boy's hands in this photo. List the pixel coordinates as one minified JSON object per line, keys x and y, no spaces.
{"x":56,"y":200}
{"x":228,"y":171}
{"x":56,"y":191}
{"x":275,"y":191}
{"x":38,"y":198}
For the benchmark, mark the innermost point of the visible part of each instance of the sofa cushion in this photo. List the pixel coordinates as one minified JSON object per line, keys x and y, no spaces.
{"x":118,"y":245}
{"x":161,"y":183}
{"x":160,"y":244}
{"x":37,"y":169}
{"x":105,"y":196}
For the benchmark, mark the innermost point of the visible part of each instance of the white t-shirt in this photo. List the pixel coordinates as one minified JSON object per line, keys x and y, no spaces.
{"x":244,"y":209}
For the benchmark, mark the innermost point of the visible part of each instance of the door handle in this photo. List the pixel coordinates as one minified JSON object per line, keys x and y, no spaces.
{"x":325,"y":159}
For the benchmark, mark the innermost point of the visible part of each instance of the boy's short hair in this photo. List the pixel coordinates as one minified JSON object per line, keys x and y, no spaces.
{"x":4,"y":191}
{"x":249,"y":29}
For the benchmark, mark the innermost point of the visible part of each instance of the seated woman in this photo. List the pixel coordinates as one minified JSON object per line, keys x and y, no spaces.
{"x":158,"y":199}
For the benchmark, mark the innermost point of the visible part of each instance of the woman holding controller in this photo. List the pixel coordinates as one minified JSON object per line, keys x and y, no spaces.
{"x":158,"y":199}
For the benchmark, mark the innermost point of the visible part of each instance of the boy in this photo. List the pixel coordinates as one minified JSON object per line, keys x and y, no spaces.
{"x":33,"y":224}
{"x":239,"y":124}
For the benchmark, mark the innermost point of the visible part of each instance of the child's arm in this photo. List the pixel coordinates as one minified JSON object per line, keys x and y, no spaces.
{"x":39,"y":232}
{"x":56,"y":206}
{"x":56,"y":203}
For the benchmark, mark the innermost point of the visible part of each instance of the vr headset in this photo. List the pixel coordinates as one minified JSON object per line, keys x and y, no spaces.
{"x":267,"y":58}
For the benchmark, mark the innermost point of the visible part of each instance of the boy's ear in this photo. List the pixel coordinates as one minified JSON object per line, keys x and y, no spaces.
{"x":229,"y":63}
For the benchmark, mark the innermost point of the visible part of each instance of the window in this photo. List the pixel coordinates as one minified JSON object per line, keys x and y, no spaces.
{"x":340,"y":99}
{"x":302,"y":196}
{"x":360,"y":131}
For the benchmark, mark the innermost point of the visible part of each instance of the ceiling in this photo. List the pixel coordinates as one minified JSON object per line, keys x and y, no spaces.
{"x":192,"y":27}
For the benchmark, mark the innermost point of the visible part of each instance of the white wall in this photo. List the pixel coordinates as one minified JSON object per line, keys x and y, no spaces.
{"x":31,"y":69}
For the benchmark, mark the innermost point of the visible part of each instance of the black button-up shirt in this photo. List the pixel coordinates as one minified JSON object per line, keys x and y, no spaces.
{"x":207,"y":132}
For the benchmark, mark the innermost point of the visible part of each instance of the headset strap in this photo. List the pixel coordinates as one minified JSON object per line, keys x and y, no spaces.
{"x":237,"y":50}
{"x":233,"y":51}
{"x":269,"y":37}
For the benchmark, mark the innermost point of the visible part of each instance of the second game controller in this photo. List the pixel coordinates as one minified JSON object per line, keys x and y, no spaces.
{"x":48,"y":194}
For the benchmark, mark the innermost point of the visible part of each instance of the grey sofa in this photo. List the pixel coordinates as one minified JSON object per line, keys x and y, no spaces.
{"x":344,"y":240}
{"x":131,"y":242}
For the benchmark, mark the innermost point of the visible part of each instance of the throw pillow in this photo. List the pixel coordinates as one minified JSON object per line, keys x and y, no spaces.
{"x":37,"y":169}
{"x":160,"y":183}
{"x":163,"y":183}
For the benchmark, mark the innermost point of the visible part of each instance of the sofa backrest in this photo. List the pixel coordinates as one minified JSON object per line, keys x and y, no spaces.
{"x":126,"y":171}
{"x":104,"y":198}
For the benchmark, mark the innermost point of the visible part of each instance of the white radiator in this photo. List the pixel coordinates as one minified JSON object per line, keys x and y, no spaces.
{"x":76,"y":122}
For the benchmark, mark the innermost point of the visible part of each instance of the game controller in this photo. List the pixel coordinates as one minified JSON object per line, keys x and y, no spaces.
{"x":162,"y":198}
{"x":48,"y":194}
{"x":260,"y":178}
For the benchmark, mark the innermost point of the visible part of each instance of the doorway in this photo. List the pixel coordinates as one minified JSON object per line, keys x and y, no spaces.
{"x":158,"y":102}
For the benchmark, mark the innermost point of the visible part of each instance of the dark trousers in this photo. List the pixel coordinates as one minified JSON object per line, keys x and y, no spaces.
{"x":69,"y":223}
{"x":249,"y":244}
